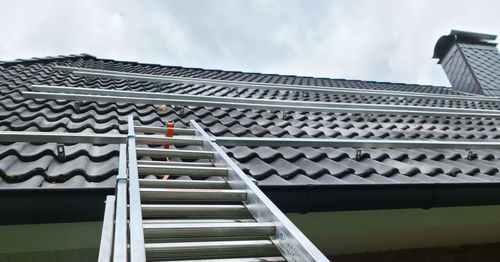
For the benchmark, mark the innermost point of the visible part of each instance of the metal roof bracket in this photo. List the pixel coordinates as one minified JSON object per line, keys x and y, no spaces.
{"x":61,"y":155}
{"x":180,"y":109}
{"x":358,"y":154}
{"x":471,"y":155}
{"x":78,"y":105}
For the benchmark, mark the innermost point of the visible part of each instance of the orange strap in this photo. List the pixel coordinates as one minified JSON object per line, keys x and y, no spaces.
{"x":170,"y":133}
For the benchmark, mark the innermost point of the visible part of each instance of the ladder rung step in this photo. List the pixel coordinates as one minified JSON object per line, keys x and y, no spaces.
{"x":192,"y":194}
{"x":208,"y":229}
{"x":183,"y":221}
{"x":180,"y":183}
{"x":187,"y":154}
{"x":214,"y":249}
{"x":203,"y":239}
{"x":173,"y":163}
{"x":182,"y":170}
{"x":249,"y":259}
{"x":160,"y":140}
{"x":154,"y":129}
{"x":194,"y":211}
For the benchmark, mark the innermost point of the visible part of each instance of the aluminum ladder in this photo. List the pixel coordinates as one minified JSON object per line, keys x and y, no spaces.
{"x":211,"y":211}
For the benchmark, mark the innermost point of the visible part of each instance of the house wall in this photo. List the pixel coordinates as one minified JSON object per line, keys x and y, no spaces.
{"x":77,"y":242}
{"x":472,"y":253}
{"x":368,"y":231}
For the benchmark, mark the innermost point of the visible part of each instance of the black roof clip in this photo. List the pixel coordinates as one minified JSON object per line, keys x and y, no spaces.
{"x":358,"y":154}
{"x":61,"y":155}
{"x":471,"y":155}
{"x":181,"y":110}
{"x":78,"y":105}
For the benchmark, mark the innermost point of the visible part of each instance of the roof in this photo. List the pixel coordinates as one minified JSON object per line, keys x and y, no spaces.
{"x":24,"y":165}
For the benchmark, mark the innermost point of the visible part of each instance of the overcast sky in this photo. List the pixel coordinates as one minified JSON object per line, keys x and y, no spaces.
{"x":368,"y":40}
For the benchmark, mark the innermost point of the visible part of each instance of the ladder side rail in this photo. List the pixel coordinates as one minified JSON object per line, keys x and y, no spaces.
{"x":137,"y":250}
{"x":121,"y":233}
{"x":293,"y":244}
{"x":106,"y":245}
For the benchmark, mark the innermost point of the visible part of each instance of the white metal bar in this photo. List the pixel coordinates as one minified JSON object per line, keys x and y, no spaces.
{"x":61,"y":137}
{"x":154,"y":129}
{"x":212,"y":249}
{"x":106,"y":246}
{"x":120,"y":250}
{"x":159,"y":140}
{"x":366,"y":143}
{"x":241,"y":259}
{"x":137,"y":251}
{"x":172,"y":230}
{"x":174,"y":163}
{"x":191,"y":194}
{"x":294,"y":245}
{"x":46,"y":137}
{"x":105,"y":92}
{"x":202,"y":103}
{"x":183,"y":170}
{"x":184,"y":154}
{"x":182,"y":221}
{"x":195,"y":211}
{"x":298,"y":88}
{"x":179,"y":183}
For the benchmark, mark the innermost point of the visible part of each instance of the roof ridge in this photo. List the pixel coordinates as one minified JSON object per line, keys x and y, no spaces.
{"x":270,"y":74}
{"x":45,"y":59}
{"x":85,"y":55}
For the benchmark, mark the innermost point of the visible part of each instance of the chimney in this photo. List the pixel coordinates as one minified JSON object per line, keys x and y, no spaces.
{"x":471,"y":62}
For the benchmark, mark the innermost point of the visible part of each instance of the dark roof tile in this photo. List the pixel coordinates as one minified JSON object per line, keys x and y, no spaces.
{"x":28,"y":165}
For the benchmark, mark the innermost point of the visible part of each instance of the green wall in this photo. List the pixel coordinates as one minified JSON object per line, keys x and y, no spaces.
{"x":50,"y":242}
{"x":351,"y":232}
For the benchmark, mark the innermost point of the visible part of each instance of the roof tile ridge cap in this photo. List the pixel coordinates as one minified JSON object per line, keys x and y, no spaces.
{"x":273,"y":74}
{"x":46,"y":59}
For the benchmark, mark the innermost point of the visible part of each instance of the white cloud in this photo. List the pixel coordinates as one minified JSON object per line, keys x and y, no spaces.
{"x":368,"y":40}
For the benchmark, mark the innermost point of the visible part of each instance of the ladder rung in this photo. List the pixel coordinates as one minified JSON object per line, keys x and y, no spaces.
{"x":208,"y":229}
{"x":182,"y":170}
{"x":195,"y":211}
{"x":178,"y":183}
{"x":154,"y":129}
{"x":187,"y":154}
{"x":160,"y":140}
{"x":183,"y":221}
{"x":172,"y":163}
{"x":203,"y":239}
{"x":249,"y":259}
{"x":192,"y":194}
{"x":215,"y":249}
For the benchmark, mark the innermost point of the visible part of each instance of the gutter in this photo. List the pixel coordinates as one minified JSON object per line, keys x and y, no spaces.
{"x":323,"y":198}
{"x":57,"y":205}
{"x":52,"y":205}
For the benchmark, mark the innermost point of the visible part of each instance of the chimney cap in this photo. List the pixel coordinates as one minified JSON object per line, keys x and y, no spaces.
{"x":444,"y":44}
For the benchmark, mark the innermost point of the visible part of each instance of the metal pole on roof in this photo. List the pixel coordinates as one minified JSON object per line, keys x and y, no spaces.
{"x":240,"y":84}
{"x":126,"y":93}
{"x":356,"y":143}
{"x":70,"y":138}
{"x":221,"y":104}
